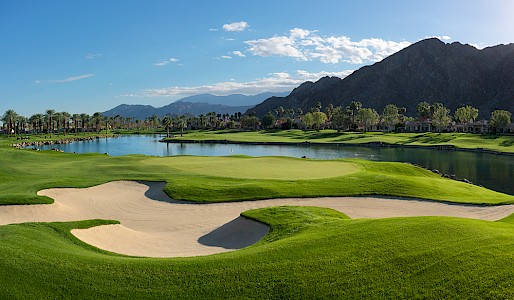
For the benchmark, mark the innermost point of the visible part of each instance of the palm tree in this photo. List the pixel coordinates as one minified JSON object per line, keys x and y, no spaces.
{"x":34,"y":123}
{"x":97,"y":119}
{"x":182,"y":123}
{"x":21,"y":123}
{"x":166,"y":122}
{"x":203,"y":121}
{"x":49,"y":117}
{"x":9,"y":118}
{"x":65,"y":120}
{"x":107,"y":120}
{"x":354,"y":107}
{"x":58,"y":117}
{"x":212,"y":119}
{"x":84,"y":120}
{"x":153,"y":121}
{"x":76,"y":119}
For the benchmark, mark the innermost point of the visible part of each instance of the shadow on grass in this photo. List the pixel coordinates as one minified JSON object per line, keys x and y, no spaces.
{"x":432,"y":138}
{"x":489,"y":136}
{"x":225,"y":131}
{"x":322,"y":135}
{"x":350,"y":137}
{"x":507,"y":143}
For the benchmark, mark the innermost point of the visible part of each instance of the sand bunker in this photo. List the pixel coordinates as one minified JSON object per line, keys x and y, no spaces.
{"x":154,"y":225}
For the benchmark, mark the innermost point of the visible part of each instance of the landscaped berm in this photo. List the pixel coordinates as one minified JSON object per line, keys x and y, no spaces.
{"x":136,"y":227}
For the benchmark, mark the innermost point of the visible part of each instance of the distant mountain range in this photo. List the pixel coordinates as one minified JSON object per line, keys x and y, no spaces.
{"x":193,"y":105}
{"x":430,"y":70}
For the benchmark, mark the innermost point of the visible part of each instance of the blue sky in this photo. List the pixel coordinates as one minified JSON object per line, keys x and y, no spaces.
{"x":88,"y":56}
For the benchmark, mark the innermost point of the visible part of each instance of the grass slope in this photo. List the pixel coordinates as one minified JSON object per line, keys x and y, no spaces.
{"x":309,"y":253}
{"x":503,"y":143}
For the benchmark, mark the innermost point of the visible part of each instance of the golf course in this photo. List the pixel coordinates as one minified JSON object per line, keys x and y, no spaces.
{"x":455,"y":140}
{"x":135,"y":226}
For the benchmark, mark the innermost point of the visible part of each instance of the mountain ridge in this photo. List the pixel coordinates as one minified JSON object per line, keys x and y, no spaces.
{"x":430,"y":70}
{"x":192,"y":105}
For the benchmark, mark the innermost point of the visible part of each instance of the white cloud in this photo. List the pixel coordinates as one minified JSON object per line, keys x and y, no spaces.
{"x":441,"y":37}
{"x":307,"y":76}
{"x":93,"y":55}
{"x":166,"y":62}
{"x":303,"y":44}
{"x":276,"y":46}
{"x":274,"y":82}
{"x":226,"y":57}
{"x":238,"y":53}
{"x":69,"y":79}
{"x":478,"y":46}
{"x":236,"y":26}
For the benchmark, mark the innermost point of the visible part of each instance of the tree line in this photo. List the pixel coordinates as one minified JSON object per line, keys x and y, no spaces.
{"x":352,"y":117}
{"x":52,"y":122}
{"x":393,"y":118}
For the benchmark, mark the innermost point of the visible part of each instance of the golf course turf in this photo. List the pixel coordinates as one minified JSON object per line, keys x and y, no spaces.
{"x":463,"y":141}
{"x":309,"y":253}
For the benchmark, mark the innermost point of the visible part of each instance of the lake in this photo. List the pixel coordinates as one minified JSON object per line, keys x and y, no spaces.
{"x":492,"y":171}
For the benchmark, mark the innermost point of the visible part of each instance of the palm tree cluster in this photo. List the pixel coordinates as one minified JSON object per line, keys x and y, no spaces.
{"x":52,"y":122}
{"x":352,"y":117}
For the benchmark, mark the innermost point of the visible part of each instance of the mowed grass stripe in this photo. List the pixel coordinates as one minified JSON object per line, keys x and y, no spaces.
{"x":503,"y":143}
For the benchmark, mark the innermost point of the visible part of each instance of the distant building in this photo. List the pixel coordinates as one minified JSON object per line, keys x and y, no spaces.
{"x":419,"y":126}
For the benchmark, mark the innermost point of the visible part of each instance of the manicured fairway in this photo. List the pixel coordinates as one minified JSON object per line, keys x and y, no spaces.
{"x":504,"y":143}
{"x":282,"y":168}
{"x":310,"y":253}
{"x":215,"y":179}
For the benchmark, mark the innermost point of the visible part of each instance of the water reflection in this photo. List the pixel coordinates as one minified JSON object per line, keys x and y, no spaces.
{"x":492,"y":171}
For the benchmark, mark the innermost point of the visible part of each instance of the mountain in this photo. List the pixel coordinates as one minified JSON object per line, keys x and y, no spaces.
{"x":141,"y":112}
{"x":195,"y":105}
{"x":430,"y":70}
{"x":137,"y":111}
{"x":232,"y":100}
{"x":183,"y":108}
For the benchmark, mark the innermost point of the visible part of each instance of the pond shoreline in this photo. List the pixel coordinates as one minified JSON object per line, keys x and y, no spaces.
{"x":368,"y":145}
{"x":26,"y":143}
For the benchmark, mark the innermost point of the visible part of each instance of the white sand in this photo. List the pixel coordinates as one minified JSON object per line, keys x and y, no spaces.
{"x":154,"y":225}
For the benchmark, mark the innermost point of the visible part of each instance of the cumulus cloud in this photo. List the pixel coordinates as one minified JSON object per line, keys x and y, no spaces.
{"x":274,"y":82}
{"x":276,"y":46}
{"x":69,"y":79}
{"x":238,"y":53}
{"x":226,"y":57}
{"x":236,"y":26}
{"x":305,"y":45}
{"x":166,"y":62}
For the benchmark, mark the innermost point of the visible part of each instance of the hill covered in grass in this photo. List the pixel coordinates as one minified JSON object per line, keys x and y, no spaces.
{"x":309,"y":253}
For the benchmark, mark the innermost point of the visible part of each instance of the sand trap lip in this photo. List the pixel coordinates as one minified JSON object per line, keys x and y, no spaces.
{"x":154,"y":225}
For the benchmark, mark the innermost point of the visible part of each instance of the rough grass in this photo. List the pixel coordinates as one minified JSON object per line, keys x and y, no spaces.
{"x":503,"y":143}
{"x":309,"y":253}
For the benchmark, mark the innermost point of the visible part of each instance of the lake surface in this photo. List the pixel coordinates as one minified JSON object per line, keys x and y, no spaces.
{"x":492,"y":171}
